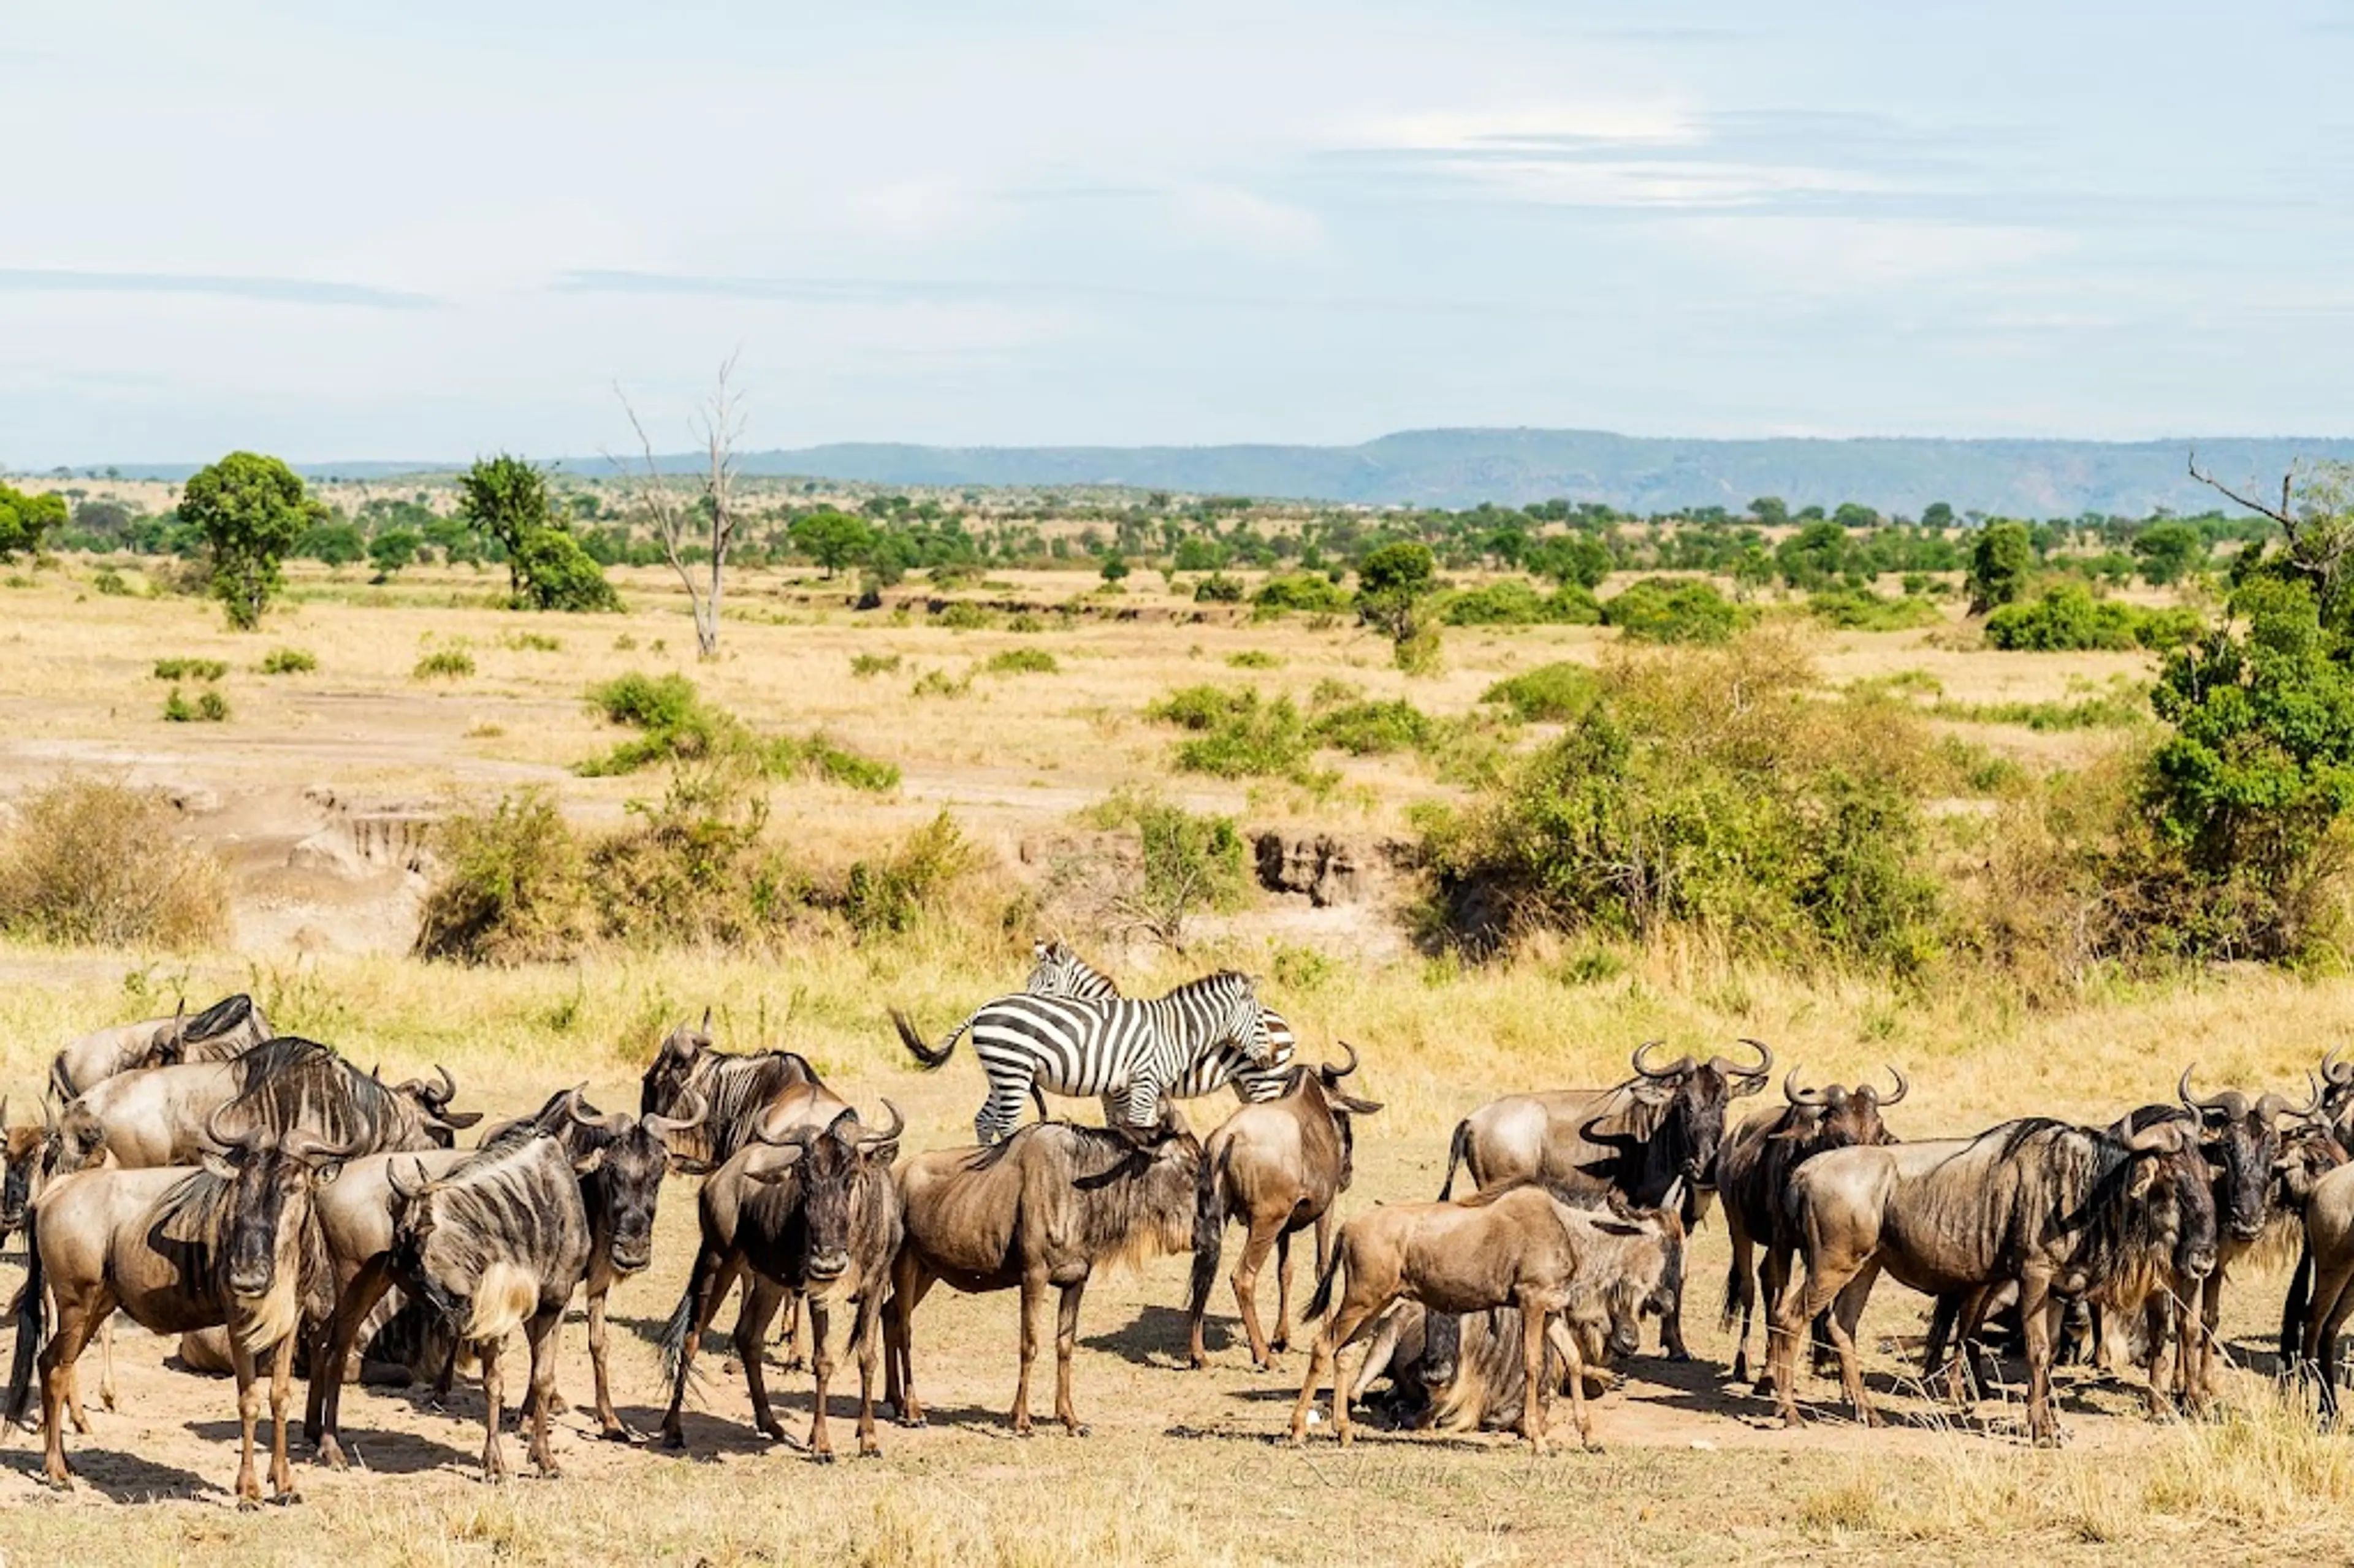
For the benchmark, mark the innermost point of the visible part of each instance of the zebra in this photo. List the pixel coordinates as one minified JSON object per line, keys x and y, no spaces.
{"x":1127,"y":1049}
{"x":1059,"y":971}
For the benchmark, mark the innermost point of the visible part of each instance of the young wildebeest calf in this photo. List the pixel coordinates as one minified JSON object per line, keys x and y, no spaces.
{"x":1509,"y":1246}
{"x":1278,"y":1167}
{"x":1465,"y":1373}
{"x":176,"y":1249}
{"x":1048,"y":1205}
{"x":499,"y":1242}
{"x":810,"y":1211}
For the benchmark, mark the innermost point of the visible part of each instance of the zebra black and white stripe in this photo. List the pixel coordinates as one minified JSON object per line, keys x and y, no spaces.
{"x":1131,"y":1051}
{"x":1059,"y":971}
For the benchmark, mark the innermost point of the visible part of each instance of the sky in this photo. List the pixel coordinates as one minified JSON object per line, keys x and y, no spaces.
{"x":337,"y":229}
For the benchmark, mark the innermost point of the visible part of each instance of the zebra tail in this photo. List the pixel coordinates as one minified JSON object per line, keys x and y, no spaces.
{"x":32,"y":1329}
{"x":1209,"y":1231}
{"x":1457,"y":1148}
{"x":926,"y":1057}
{"x":1322,"y":1299}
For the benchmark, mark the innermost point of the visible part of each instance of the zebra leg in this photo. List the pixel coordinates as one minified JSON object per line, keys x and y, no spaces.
{"x":1000,"y":1113}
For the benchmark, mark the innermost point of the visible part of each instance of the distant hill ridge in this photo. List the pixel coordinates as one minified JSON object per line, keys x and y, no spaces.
{"x":1457,"y":468}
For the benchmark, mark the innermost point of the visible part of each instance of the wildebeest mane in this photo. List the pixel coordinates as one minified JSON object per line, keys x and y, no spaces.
{"x":290,"y":1082}
{"x":221,"y":1017}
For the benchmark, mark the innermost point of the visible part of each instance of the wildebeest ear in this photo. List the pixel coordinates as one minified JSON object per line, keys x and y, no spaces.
{"x":1652,"y":1094}
{"x":588,"y":1163}
{"x":216,"y":1166}
{"x":1617,"y":1227}
{"x":461,"y":1120}
{"x":1356,"y":1106}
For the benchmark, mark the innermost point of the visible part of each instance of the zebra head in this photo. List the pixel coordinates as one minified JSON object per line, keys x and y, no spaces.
{"x":1061,"y":972}
{"x":1243,"y":1021}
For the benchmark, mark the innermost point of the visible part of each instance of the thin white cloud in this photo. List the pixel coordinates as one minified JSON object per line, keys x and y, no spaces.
{"x":1245,"y":221}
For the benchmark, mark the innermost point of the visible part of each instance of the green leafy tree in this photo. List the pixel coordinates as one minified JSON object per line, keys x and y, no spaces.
{"x":1814,"y":556}
{"x":2001,"y":562}
{"x":505,"y":500}
{"x":333,"y":541}
{"x":252,"y":510}
{"x":1936,"y":515}
{"x":832,"y":539}
{"x":393,"y":549}
{"x":1580,"y":559}
{"x":1114,"y":568}
{"x":1395,"y":585}
{"x":557,"y":574}
{"x":2169,"y":552}
{"x":1770,"y":510}
{"x":24,"y":519}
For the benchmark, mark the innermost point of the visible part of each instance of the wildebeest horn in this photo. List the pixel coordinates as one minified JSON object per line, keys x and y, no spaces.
{"x":449,"y":1085}
{"x":1796,"y":1096}
{"x":2271,"y":1105}
{"x":2334,"y":1071}
{"x":706,"y":1027}
{"x":890,"y":1135}
{"x":576,"y":1105}
{"x":1673,"y":1200}
{"x":1332,"y":1070}
{"x":697,"y":1108}
{"x":1902,"y":1086}
{"x":405,"y":1193}
{"x":2158,"y":1138}
{"x":2182,"y":1092}
{"x":1765,"y":1068}
{"x":306,"y":1146}
{"x":1644,"y":1050}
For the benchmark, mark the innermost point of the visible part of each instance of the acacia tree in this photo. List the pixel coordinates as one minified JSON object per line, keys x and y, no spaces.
{"x":709,"y":519}
{"x":24,"y":518}
{"x":252,"y":510}
{"x":505,"y":499}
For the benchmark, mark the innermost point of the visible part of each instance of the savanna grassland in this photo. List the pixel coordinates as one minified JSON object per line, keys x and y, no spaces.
{"x":318,"y":794}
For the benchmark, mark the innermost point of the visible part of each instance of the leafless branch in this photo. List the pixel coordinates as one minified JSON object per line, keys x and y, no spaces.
{"x":2281,"y":516}
{"x":719,"y":424}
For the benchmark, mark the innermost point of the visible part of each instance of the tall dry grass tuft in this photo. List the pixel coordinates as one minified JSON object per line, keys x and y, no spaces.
{"x":95,"y":861}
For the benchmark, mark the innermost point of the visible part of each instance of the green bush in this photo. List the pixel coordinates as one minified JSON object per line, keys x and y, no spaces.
{"x":532,"y":642}
{"x":1298,"y":592}
{"x":190,"y":669}
{"x":1218,"y":588}
{"x":650,"y":703}
{"x":1022,"y":661}
{"x":1254,"y":659}
{"x":1373,"y":728}
{"x":677,"y":726}
{"x":110,"y":583}
{"x":210,"y":707}
{"x":95,"y":862}
{"x":1662,"y":610}
{"x":891,"y":895}
{"x":1550,"y":694}
{"x":444,"y":663}
{"x":1237,"y":734}
{"x":1513,"y":602}
{"x":1861,"y":609}
{"x":2068,"y":619}
{"x":1189,"y":862}
{"x":864,"y":664}
{"x":288,"y":662}
{"x":512,"y":887}
{"x":941,"y":683}
{"x":815,"y":757}
{"x":964,"y":617}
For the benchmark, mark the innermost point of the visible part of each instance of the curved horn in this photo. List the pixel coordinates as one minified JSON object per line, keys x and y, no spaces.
{"x":1643,"y":1051}
{"x":1332,"y":1070}
{"x":402,"y":1190}
{"x":1764,"y":1059}
{"x":305,"y":1145}
{"x":2183,"y":1091}
{"x":2158,"y":1138}
{"x":1902,"y":1087}
{"x":577,"y":1108}
{"x":219,"y":1140}
{"x":2334,"y":1071}
{"x":1796,"y":1096}
{"x":898,"y":1124}
{"x":449,"y":1085}
{"x":697,"y":1108}
{"x":706,"y":1026}
{"x":2274,"y":1106}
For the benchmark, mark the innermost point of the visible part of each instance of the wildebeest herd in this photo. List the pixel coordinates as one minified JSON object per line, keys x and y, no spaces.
{"x":288,"y":1213}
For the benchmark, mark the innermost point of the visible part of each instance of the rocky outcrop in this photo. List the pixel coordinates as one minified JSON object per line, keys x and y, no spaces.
{"x":1326,"y":867}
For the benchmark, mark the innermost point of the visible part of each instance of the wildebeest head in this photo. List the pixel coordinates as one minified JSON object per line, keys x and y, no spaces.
{"x":1687,"y":1100}
{"x":665,"y":1086}
{"x":1650,"y":1281}
{"x":1326,"y":1081}
{"x":31,"y":1157}
{"x":1836,"y":1117}
{"x":2242,"y":1139}
{"x":2310,"y":1150}
{"x":81,"y":1138}
{"x":825,"y":1164}
{"x":2171,"y":1189}
{"x":432,"y":1099}
{"x":270,"y":1184}
{"x":625,"y":1189}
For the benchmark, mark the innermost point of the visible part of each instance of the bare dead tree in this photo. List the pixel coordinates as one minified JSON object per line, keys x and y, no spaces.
{"x":710,"y":516}
{"x":2318,"y":543}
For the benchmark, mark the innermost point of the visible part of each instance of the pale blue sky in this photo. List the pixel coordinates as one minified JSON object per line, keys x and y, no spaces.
{"x":335,"y":230}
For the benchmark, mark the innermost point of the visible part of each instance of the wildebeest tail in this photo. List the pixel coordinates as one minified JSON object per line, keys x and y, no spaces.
{"x":62,"y":1088}
{"x":1739,"y":1291}
{"x":1457,"y":1148}
{"x":672,"y":1343}
{"x":508,"y":1294}
{"x":32,"y":1329}
{"x":1209,"y":1229}
{"x":2296,"y":1308}
{"x":1322,"y":1299}
{"x":929,"y":1057}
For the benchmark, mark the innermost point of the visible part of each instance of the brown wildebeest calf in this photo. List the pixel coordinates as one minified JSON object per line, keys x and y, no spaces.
{"x":1276,"y":1166}
{"x":1511,"y":1246}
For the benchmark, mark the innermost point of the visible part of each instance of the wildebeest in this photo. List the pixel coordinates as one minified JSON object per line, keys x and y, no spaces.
{"x":1452,"y":1373}
{"x":227,"y":1027}
{"x":1278,"y":1167}
{"x":736,"y":1090}
{"x":1519,"y":1246}
{"x":2329,"y":1249}
{"x":1046,"y":1206}
{"x":2065,"y":1212}
{"x":230,"y":1244}
{"x":499,"y":1242}
{"x":157,"y":1117}
{"x":812,"y":1211}
{"x":21,"y":1148}
{"x":1753,"y":1172}
{"x":1659,"y":1128}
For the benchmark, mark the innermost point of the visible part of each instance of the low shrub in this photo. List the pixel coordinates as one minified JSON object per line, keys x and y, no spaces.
{"x":512,"y":887}
{"x":816,"y":757}
{"x":941,"y":683}
{"x":865,"y":665}
{"x":97,"y":862}
{"x":1550,"y":694}
{"x":964,"y":617}
{"x":444,"y":665}
{"x":650,"y":703}
{"x":1861,"y":609}
{"x":210,"y":707}
{"x":1254,"y":659}
{"x":1663,"y":609}
{"x":1514,"y":602}
{"x":1371,"y":730}
{"x":532,"y":642}
{"x":110,"y":583}
{"x":678,"y":725}
{"x":1188,"y":862}
{"x":890,"y":894}
{"x":1022,"y":661}
{"x":1218,"y":588}
{"x":1237,"y":734}
{"x":1025,"y":623}
{"x":288,"y":662}
{"x":1300,"y":592}
{"x":2068,"y":619}
{"x":190,"y":669}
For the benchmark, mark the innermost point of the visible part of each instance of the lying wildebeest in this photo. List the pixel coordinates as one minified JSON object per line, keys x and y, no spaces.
{"x":1660,"y":1127}
{"x":1278,"y":1167}
{"x":2066,"y":1211}
{"x":1753,"y":1173}
{"x":736,"y":1092}
{"x":156,"y":1116}
{"x":1046,"y":1206}
{"x":1464,"y":1373}
{"x":231,"y":1244}
{"x":1059,"y":971}
{"x":1130,"y":1049}
{"x":499,"y":1242}
{"x":1520,"y":1245}
{"x":815,"y":1214}
{"x":226,"y":1028}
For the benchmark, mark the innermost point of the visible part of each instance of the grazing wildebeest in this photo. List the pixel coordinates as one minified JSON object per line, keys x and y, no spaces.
{"x":1278,"y":1167}
{"x":228,"y":1245}
{"x":1046,"y":1206}
{"x":812,"y":1211}
{"x":2065,"y":1212}
{"x":497,"y":1243}
{"x":736,"y":1092}
{"x":1124,"y":1049}
{"x":1753,"y":1171}
{"x":1520,"y":1245}
{"x":1058,"y":971}
{"x":1660,"y":1127}
{"x":156,"y":1116}
{"x":226,"y":1028}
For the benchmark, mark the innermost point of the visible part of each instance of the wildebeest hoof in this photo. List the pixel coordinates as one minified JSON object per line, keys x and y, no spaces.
{"x":822,"y":1456}
{"x":248,"y":1504}
{"x":1079,"y":1428}
{"x":674,"y":1439}
{"x":619,"y":1433}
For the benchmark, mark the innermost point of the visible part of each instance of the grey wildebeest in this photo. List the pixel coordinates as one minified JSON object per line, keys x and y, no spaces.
{"x":228,"y":1245}
{"x":2067,"y":1213}
{"x":1047,"y":1206}
{"x":1521,"y":1247}
{"x":814,"y":1212}
{"x":1753,"y":1173}
{"x":157,"y":1117}
{"x":1659,"y":1128}
{"x":2329,"y":1249}
{"x":499,"y":1242}
{"x":1277,"y":1166}
{"x":735,"y":1091}
{"x":226,"y":1029}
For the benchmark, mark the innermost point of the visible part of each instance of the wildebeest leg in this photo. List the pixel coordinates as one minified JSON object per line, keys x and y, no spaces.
{"x":610,"y":1422}
{"x":1532,"y":1378}
{"x":2162,"y":1322}
{"x":790,"y":1354}
{"x":324,"y":1422}
{"x":1773,"y":1284}
{"x":495,"y":1393}
{"x":1671,"y":1332}
{"x":1281,"y":1339}
{"x":248,"y":1411}
{"x":1740,"y":1294}
{"x":1344,"y":1328}
{"x":2296,"y":1308}
{"x":1033,"y":1292}
{"x":76,"y":1320}
{"x":541,"y":1332}
{"x":1557,"y":1334}
{"x":282,"y":1390}
{"x":1839,"y":1317}
{"x":2207,"y":1385}
{"x":910,"y":1283}
{"x":106,"y":1364}
{"x":1066,"y":1341}
{"x":821,"y":1360}
{"x":2035,"y":1327}
{"x":866,"y":1342}
{"x":761,"y":1299}
{"x":1262,"y":1237}
{"x":2324,"y":1314}
{"x":1825,"y":1277}
{"x":715,"y":1279}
